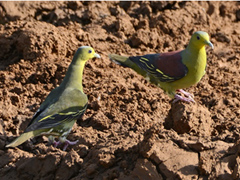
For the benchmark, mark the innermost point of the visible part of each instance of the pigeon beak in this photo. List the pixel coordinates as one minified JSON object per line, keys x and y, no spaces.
{"x":97,"y":55}
{"x":210,"y":44}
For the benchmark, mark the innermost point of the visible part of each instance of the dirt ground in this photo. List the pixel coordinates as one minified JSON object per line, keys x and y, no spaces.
{"x":131,"y":129}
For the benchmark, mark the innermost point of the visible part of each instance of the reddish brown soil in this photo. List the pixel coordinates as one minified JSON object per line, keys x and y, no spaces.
{"x":131,"y":130}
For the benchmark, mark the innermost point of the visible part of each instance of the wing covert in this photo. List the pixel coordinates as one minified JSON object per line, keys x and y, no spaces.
{"x":54,"y":120}
{"x":167,"y":67}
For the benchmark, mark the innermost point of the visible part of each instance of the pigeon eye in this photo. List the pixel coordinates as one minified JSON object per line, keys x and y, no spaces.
{"x":90,"y":51}
{"x":198,"y":37}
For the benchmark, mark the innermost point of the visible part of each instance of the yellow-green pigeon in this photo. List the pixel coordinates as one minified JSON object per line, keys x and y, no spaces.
{"x":63,"y":106}
{"x":172,"y":71}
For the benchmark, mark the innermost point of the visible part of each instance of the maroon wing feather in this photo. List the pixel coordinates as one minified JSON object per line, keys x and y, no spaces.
{"x":166,"y":67}
{"x":170,"y":64}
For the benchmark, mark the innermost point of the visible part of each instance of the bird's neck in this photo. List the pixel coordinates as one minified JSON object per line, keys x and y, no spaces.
{"x":195,"y":59}
{"x":74,"y":76}
{"x":194,"y":52}
{"x":193,"y":47}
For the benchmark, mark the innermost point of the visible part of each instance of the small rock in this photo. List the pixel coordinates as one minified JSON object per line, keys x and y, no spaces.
{"x":186,"y":118}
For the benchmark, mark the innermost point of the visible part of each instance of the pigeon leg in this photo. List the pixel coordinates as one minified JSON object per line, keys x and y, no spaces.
{"x":180,"y":98}
{"x":67,"y":143}
{"x":189,"y":95}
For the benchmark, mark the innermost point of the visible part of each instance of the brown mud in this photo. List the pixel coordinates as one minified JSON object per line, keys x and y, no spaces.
{"x":131,"y":130}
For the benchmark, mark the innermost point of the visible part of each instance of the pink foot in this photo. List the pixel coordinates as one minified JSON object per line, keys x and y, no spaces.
{"x":188,"y":98}
{"x":189,"y":95}
{"x":180,"y":98}
{"x":67,"y":143}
